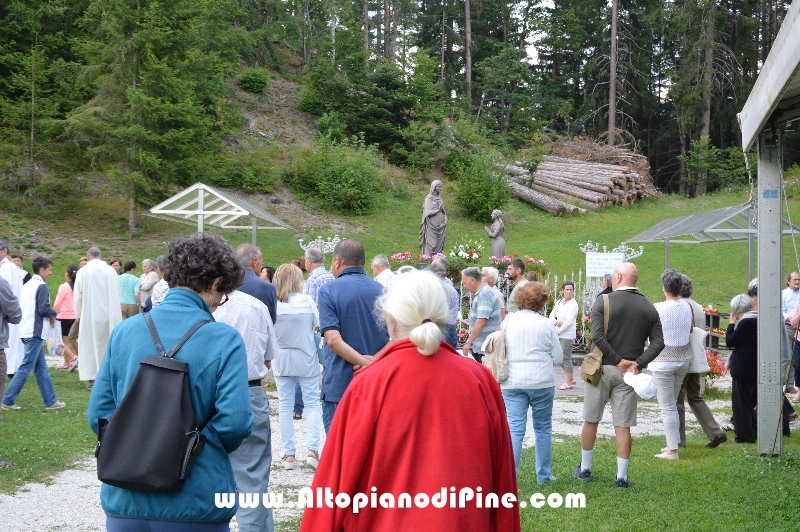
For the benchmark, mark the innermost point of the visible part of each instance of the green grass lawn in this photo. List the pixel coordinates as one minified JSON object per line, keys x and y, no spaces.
{"x":727,"y":488}
{"x":41,"y":443}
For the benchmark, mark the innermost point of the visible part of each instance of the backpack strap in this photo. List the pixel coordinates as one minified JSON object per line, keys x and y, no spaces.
{"x":157,"y":339}
{"x":606,"y":313}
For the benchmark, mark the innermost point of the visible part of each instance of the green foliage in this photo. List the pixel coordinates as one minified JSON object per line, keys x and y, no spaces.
{"x":480,"y":189}
{"x":254,"y":80}
{"x":309,"y":101}
{"x":250,"y":169}
{"x":723,"y":168}
{"x":332,"y":127}
{"x":345,"y":178}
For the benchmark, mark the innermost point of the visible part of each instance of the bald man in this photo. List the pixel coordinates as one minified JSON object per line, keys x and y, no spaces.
{"x":632,"y":321}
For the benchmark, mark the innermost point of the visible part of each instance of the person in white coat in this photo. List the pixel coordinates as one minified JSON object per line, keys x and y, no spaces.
{"x":11,"y":273}
{"x":96,"y":296}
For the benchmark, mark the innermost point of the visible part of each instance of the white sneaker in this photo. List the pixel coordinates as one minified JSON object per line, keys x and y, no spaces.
{"x":287,"y":464}
{"x":56,"y":406}
{"x":667,"y":456}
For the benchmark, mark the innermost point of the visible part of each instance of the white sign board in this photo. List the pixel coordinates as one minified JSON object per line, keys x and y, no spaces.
{"x":599,"y":264}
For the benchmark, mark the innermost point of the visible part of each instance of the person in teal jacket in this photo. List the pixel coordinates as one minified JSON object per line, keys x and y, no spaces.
{"x":201,"y":270}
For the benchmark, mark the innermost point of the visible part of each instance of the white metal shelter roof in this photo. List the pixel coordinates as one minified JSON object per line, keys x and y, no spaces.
{"x":202,"y":204}
{"x":775,"y":97}
{"x":720,"y":225}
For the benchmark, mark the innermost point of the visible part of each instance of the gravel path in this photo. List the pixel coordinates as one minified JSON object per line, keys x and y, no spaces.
{"x":71,"y":500}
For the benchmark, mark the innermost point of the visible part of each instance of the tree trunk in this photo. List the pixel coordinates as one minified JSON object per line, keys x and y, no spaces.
{"x":682,"y":173}
{"x":468,"y":48}
{"x":537,"y":199}
{"x":395,"y":25}
{"x":387,"y":28}
{"x":133,"y":229}
{"x":33,"y":108}
{"x":378,"y":40}
{"x":365,"y":15}
{"x":612,"y":85}
{"x":708,"y":65}
{"x":444,"y":43}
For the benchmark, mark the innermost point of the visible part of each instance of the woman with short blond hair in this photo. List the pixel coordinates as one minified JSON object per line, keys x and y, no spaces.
{"x":297,"y":362}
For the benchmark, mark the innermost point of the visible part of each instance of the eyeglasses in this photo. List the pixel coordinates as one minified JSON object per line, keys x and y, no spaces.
{"x":223,"y":300}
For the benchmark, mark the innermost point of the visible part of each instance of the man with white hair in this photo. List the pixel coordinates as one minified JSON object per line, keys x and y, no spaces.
{"x":381,"y":271}
{"x":252,"y":460}
{"x":317,"y":274}
{"x":439,"y":267}
{"x":251,"y":259}
{"x":96,"y":295}
{"x":490,"y":276}
{"x":10,"y":272}
{"x":484,"y":312}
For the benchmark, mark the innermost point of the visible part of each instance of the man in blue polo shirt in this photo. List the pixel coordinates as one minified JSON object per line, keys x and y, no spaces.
{"x":251,"y":260}
{"x":347,"y":320}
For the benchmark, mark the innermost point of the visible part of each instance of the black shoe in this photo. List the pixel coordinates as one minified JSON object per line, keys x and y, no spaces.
{"x":722,"y":438}
{"x":584,"y":475}
{"x":90,"y":385}
{"x":622,"y":483}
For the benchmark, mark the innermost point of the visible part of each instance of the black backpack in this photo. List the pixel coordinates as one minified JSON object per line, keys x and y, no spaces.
{"x":150,"y":440}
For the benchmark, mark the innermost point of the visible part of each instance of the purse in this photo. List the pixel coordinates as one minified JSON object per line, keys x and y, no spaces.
{"x":592,"y":366}
{"x":494,"y":353}
{"x":699,"y":362}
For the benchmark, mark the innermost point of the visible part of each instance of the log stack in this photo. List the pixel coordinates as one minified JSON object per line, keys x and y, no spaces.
{"x":577,"y":185}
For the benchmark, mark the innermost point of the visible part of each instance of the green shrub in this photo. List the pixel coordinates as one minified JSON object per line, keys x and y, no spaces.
{"x":480,"y":189}
{"x":332,"y":127}
{"x":308,"y":101}
{"x":342,"y":177}
{"x":255,"y":80}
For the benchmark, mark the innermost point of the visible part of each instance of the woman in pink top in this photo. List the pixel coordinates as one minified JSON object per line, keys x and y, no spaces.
{"x":66,"y":315}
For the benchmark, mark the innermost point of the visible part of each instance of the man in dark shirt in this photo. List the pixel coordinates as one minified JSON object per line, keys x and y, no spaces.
{"x":347,"y":321}
{"x":632,"y":320}
{"x":251,"y":259}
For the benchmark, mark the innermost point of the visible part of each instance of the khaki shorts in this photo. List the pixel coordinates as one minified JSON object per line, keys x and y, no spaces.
{"x":611,"y":387}
{"x":73,"y":331}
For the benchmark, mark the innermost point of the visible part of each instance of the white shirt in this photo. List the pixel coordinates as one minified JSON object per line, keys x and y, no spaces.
{"x":386,"y":278}
{"x":159,"y":293}
{"x":789,"y":301}
{"x":532,"y":349}
{"x":567,"y":313}
{"x":251,"y":318}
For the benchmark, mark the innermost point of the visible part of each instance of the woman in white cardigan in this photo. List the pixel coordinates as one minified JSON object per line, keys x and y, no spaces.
{"x":532,"y":348}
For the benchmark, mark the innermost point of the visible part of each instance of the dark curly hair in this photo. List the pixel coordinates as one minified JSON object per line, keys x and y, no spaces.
{"x":195,"y":261}
{"x":532,"y":296}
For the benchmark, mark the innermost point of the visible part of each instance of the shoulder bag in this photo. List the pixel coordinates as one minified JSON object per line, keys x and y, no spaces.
{"x":592,"y":366}
{"x":494,"y":353}
{"x":150,"y":440}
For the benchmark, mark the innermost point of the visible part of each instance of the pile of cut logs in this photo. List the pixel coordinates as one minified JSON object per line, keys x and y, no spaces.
{"x":562,"y":185}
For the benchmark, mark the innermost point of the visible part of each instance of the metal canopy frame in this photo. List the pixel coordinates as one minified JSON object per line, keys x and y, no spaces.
{"x":204,"y":205}
{"x":773,"y":103}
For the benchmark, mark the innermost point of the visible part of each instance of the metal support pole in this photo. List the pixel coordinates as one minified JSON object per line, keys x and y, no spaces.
{"x":666,"y":253}
{"x":770,"y":319}
{"x":200,"y":208}
{"x":751,"y":255}
{"x":254,"y":222}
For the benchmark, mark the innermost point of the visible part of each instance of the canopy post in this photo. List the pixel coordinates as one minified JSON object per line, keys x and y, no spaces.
{"x":666,"y":253}
{"x":254,"y":222}
{"x":200,"y":208}
{"x":770,"y":319}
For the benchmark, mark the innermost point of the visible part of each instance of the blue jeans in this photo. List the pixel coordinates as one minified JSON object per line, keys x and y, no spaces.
{"x":310,"y":387}
{"x":251,"y":463}
{"x":33,"y":360}
{"x":451,"y":335}
{"x":328,"y":410}
{"x":298,"y":400}
{"x":540,"y":400}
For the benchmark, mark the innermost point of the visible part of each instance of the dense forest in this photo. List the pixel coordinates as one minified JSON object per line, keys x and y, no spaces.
{"x":138,"y":89}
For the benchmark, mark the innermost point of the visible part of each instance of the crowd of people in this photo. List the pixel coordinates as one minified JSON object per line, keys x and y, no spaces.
{"x":369,"y":360}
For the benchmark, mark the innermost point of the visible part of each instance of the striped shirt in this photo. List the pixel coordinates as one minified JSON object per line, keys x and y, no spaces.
{"x":315,"y":280}
{"x":485,"y":304}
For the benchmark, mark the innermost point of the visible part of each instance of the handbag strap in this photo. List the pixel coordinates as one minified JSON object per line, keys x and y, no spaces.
{"x":157,"y":340}
{"x":606,"y":313}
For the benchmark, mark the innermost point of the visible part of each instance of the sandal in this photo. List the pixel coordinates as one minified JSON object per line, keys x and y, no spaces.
{"x":313,"y":458}
{"x":728,"y":428}
{"x":63,"y":366}
{"x":74,"y":365}
{"x":566,"y":386}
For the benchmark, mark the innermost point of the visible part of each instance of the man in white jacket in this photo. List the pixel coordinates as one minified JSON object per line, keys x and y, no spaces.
{"x":564,"y":316}
{"x":97,"y":306}
{"x":11,"y":273}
